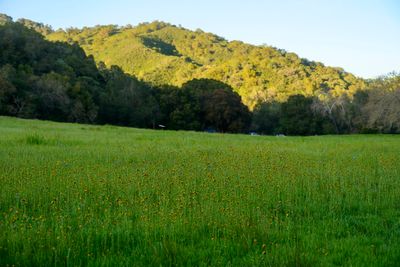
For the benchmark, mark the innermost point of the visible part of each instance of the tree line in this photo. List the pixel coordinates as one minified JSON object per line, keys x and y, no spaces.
{"x":375,"y":109}
{"x":58,"y":81}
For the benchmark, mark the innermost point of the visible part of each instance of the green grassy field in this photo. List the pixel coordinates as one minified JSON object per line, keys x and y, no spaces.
{"x":102,"y":195}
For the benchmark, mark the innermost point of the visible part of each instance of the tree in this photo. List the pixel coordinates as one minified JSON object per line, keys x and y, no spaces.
{"x":298,"y":117}
{"x":225,"y":112}
{"x":52,"y":100}
{"x":126,"y":100}
{"x":84,"y":107}
{"x":266,"y":118}
{"x":383,"y":109}
{"x":7,"y":88}
{"x":215,"y":105}
{"x":381,"y":105}
{"x":5,"y":19}
{"x":39,"y":27}
{"x":336,"y":109}
{"x":202,"y":104}
{"x":357,"y":114}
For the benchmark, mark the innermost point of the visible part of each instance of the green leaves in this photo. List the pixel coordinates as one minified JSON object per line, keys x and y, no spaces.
{"x":161,"y":53}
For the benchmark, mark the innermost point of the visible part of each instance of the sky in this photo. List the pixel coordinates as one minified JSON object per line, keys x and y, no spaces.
{"x":361,"y":36}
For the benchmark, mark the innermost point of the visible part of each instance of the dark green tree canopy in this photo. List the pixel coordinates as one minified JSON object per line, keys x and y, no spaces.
{"x":203,"y":104}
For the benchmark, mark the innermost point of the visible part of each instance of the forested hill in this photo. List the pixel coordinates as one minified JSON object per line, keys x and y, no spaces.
{"x":161,"y":53}
{"x":56,"y":80}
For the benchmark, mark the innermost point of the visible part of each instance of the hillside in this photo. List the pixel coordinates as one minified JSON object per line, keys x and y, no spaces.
{"x":57,"y":81}
{"x":53,"y":80}
{"x":162,"y":53}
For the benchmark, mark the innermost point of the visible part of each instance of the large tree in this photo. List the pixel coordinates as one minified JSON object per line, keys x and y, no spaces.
{"x":298,"y":118}
{"x":203,"y":104}
{"x":126,"y":100}
{"x":266,"y":118}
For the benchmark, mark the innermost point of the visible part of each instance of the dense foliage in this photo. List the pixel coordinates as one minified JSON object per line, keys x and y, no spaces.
{"x":374,"y":110}
{"x":57,"y":81}
{"x":162,"y":53}
{"x":203,"y":105}
{"x":41,"y":79}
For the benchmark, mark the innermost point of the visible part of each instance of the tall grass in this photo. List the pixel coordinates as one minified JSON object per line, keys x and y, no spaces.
{"x":120,"y":196}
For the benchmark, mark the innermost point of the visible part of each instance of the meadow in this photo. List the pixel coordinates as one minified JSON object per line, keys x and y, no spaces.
{"x":84,"y":195}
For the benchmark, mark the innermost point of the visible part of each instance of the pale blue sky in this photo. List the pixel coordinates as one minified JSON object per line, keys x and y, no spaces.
{"x":362,"y":36}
